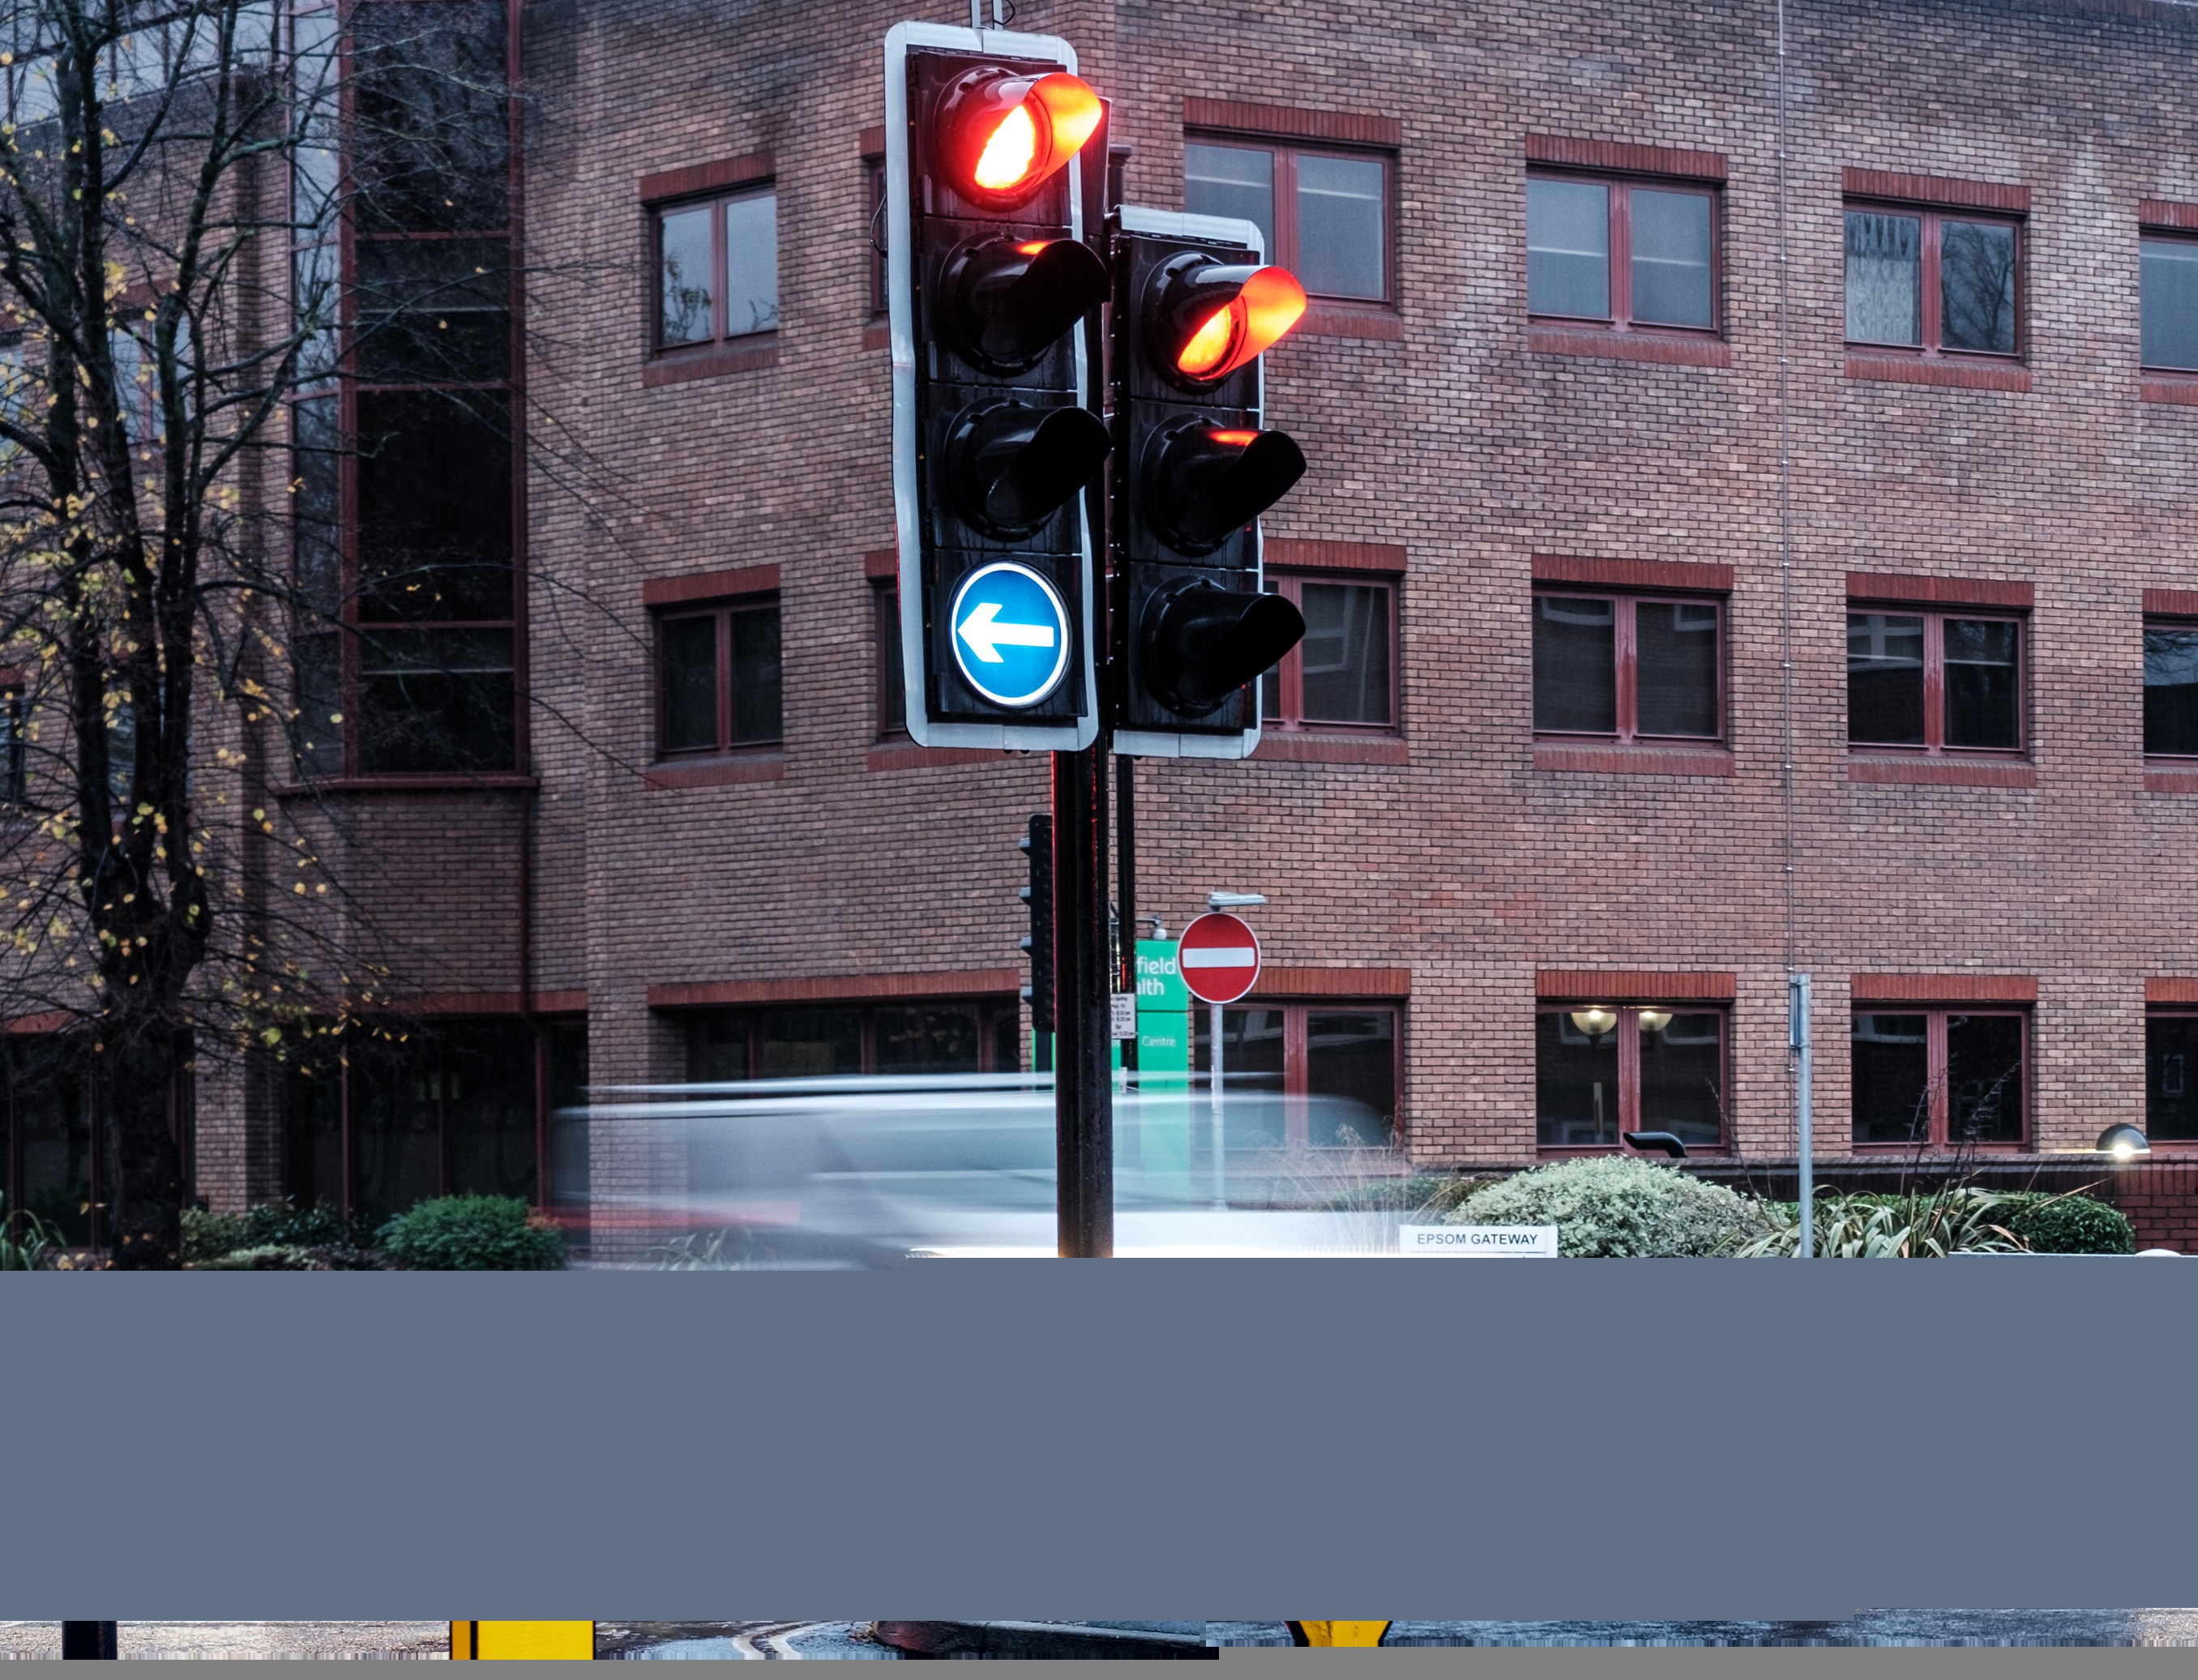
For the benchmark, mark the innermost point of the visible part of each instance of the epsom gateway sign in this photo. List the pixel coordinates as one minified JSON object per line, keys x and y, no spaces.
{"x":1484,"y":1242}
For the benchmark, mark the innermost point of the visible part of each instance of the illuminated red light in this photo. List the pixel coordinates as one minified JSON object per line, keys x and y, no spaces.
{"x":1016,"y":130}
{"x":1234,"y":440}
{"x":1268,"y":306}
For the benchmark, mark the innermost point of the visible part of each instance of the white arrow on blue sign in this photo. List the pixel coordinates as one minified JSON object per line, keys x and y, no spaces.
{"x":1010,"y":634}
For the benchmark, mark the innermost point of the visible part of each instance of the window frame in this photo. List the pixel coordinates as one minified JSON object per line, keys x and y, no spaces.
{"x":721,"y":611}
{"x":1934,"y":1077}
{"x":1626,"y":650}
{"x":2152,"y":1013}
{"x":885,"y":662}
{"x":350,"y":629}
{"x":1620,"y":184}
{"x":1289,"y":582}
{"x":719,"y":341}
{"x":994,"y":1010}
{"x":1285,"y":154}
{"x":1628,"y":1074}
{"x":1297,"y":1060}
{"x":2162,"y":621}
{"x":1934,"y":683}
{"x":1930,"y":323}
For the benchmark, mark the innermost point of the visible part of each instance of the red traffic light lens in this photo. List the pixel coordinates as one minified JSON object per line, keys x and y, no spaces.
{"x":1009,"y":133}
{"x":1265,"y":307}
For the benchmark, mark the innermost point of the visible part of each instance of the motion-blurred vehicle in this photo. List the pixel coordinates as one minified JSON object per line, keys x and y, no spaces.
{"x":874,"y":1171}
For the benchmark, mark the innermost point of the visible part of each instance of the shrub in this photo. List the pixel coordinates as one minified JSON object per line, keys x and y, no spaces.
{"x":473,"y":1233}
{"x":1612,"y":1206}
{"x":208,"y":1236}
{"x":332,"y":1241}
{"x":1915,"y":1226}
{"x":24,"y":1246}
{"x":1428,"y":1194}
{"x":2074,"y":1223}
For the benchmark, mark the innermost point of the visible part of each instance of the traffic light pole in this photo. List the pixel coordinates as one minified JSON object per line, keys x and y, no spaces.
{"x":1082,"y":1088}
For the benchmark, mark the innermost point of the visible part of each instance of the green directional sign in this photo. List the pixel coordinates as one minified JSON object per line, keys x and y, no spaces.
{"x":1164,"y":1069}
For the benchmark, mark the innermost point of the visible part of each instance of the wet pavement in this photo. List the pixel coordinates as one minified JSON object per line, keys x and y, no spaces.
{"x":337,"y":1640}
{"x":1869,"y":1627}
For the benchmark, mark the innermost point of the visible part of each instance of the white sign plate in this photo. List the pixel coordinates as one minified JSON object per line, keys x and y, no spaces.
{"x":1482,"y":1241}
{"x":1122,"y":1013}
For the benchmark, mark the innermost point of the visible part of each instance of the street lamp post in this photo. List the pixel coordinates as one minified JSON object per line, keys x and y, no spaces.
{"x":1222,"y":901}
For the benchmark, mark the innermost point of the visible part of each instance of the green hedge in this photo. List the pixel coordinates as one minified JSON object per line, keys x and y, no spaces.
{"x":471,"y":1234}
{"x":2069,"y":1224}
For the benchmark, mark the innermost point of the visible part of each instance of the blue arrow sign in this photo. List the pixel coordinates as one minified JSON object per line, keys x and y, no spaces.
{"x":1010,"y":634}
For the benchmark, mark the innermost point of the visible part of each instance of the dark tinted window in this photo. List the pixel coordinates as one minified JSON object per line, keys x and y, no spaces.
{"x":1891,"y":1079}
{"x":1885,"y":677}
{"x":2170,"y":690}
{"x":1576,"y":1096}
{"x":1575,"y":664}
{"x":2170,"y":1078}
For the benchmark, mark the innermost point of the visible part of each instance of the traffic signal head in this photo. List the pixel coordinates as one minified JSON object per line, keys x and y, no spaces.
{"x":1194,"y":470}
{"x":989,"y":284}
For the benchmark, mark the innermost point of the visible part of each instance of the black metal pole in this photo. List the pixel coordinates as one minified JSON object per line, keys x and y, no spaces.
{"x":1083,"y":1083}
{"x":94,"y":1640}
{"x":1125,"y":872}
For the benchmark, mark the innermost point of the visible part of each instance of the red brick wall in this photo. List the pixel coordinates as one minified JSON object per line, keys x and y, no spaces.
{"x":1461,"y":862}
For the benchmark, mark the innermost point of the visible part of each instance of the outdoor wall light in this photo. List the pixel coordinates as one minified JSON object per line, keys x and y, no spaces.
{"x":2124,"y":1141}
{"x":1595,"y":1021}
{"x":1655,"y":1021}
{"x":1646,"y":1141}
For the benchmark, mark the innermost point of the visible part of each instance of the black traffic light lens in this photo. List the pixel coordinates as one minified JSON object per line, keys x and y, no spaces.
{"x":1203,"y":643}
{"x":1012,"y":466}
{"x":1202,"y":481}
{"x":1013,"y":298}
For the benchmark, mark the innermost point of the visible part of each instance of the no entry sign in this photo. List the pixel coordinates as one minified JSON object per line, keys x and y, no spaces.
{"x":1218,"y":957}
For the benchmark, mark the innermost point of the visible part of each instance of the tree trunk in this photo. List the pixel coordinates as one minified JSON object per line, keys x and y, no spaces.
{"x":136,"y":1072}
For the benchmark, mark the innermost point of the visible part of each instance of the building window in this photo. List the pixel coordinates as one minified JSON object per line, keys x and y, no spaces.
{"x":717,"y":263}
{"x":1622,"y":252}
{"x":1343,"y":674}
{"x":1329,"y":1072}
{"x":718,"y":677}
{"x":405,"y":546}
{"x":974,"y":1035}
{"x":1628,"y":668}
{"x":13,"y":748}
{"x":452,"y":1108}
{"x":892,"y":686}
{"x":1937,"y":1077}
{"x":1602,"y":1069}
{"x":873,"y":187}
{"x":2167,"y":269}
{"x":2171,"y":1078}
{"x":1323,"y":213}
{"x":1932,"y":282}
{"x":2171,"y":689}
{"x":1935,"y":682}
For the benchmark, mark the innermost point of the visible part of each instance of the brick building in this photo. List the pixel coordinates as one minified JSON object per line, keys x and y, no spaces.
{"x":1746,"y":532}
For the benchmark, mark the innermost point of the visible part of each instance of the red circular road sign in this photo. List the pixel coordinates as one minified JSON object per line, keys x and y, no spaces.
{"x":1218,"y":958}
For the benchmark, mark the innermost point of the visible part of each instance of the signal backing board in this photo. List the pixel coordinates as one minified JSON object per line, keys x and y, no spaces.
{"x":993,"y":439}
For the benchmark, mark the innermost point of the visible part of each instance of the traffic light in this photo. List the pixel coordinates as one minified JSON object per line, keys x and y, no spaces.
{"x":1038,"y":942}
{"x":988,"y":282}
{"x":1192,"y":471}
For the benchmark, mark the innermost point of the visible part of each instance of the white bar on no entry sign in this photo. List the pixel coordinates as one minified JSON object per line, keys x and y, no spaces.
{"x":1481,"y":1241}
{"x":1219,"y":956}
